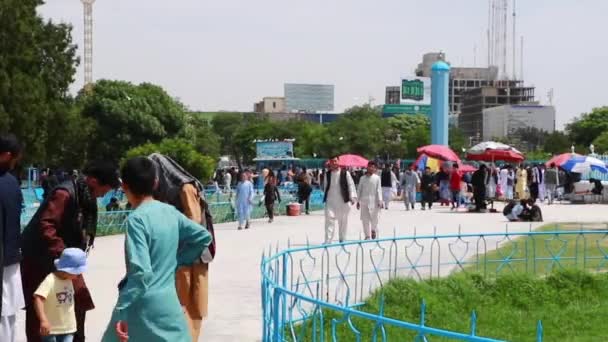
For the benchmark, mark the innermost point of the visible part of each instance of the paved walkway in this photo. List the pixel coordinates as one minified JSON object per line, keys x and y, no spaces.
{"x":235,"y":273}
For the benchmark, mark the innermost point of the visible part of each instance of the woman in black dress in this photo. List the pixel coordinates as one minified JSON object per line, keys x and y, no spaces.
{"x":271,"y":194}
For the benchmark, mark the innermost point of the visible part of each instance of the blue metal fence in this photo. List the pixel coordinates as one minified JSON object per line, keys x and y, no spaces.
{"x":302,"y":285}
{"x":221,"y":205}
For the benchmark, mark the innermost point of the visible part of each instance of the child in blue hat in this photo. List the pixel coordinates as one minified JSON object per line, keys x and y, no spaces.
{"x":54,"y":298}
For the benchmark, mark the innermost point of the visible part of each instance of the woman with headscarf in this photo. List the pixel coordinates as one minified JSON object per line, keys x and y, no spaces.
{"x":183,"y":191}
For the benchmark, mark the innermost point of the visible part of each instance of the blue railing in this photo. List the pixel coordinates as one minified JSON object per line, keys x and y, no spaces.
{"x":221,"y":206}
{"x":304,"y":287}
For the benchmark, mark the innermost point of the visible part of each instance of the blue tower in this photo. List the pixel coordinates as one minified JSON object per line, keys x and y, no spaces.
{"x":440,"y":83}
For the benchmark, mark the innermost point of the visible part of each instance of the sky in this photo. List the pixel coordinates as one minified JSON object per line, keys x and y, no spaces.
{"x":228,"y":54}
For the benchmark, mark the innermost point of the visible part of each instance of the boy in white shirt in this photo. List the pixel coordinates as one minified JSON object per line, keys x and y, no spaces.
{"x":54,"y":298}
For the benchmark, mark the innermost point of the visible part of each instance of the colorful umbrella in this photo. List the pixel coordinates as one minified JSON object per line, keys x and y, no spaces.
{"x":582,"y":164}
{"x":435,"y":164}
{"x":439,"y":152}
{"x":352,"y":160}
{"x":494,"y":151}
{"x":561,"y":159}
{"x":425,"y":161}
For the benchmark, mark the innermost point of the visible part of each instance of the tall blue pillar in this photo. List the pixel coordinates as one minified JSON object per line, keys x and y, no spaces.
{"x":440,"y":85}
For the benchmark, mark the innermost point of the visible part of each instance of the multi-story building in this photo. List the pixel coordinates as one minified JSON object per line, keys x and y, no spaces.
{"x":270,"y":105}
{"x":508,"y":120}
{"x":311,"y":98}
{"x":498,"y":93}
{"x":393,"y":95}
{"x":462,"y":79}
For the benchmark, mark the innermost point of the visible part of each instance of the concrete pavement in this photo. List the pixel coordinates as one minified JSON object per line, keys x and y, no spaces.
{"x":235,"y":313}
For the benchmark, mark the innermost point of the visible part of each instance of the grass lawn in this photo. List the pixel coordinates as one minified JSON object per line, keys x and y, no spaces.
{"x":543,"y":254}
{"x":569,"y":297}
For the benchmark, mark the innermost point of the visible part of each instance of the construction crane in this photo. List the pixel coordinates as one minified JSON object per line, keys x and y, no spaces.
{"x":88,"y":43}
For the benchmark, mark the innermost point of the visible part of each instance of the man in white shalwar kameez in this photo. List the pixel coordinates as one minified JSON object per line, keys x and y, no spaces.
{"x":369,"y":194}
{"x":388,"y":181}
{"x":340,"y":193}
{"x":410,"y":182}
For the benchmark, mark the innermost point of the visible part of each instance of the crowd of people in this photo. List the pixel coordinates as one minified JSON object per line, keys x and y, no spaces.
{"x":169,"y":244}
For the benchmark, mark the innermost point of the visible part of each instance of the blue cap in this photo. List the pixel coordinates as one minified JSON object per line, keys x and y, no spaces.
{"x":72,"y":261}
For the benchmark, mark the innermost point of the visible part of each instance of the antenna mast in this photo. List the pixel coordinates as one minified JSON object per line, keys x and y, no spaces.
{"x":521,"y":60}
{"x":514,"y":38}
{"x":88,"y":42}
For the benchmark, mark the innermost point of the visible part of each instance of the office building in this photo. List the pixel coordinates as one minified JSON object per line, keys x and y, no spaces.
{"x":310,"y":98}
{"x":462,"y":79}
{"x":476,"y":100}
{"x":508,"y":120}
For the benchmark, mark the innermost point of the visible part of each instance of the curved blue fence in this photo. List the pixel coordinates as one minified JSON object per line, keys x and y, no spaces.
{"x":309,"y":292}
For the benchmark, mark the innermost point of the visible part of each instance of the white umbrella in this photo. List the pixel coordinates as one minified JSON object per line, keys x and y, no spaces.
{"x":491,"y":145}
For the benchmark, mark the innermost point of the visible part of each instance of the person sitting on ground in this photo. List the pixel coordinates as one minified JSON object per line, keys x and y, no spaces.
{"x":532,"y":212}
{"x":113,"y":205}
{"x":514,"y":209}
{"x":597,"y":186}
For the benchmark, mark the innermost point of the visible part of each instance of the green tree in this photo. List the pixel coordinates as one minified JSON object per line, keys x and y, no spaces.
{"x":128,"y":115}
{"x":182,"y":152}
{"x":226,"y":125}
{"x":586,"y":128}
{"x":199,"y":131}
{"x":37,"y":64}
{"x":601,"y":143}
{"x":414,"y":130}
{"x":458,"y":141}
{"x":359,"y":131}
{"x":556,"y":143}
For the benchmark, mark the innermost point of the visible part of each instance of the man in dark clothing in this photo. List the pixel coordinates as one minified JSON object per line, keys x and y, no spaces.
{"x":67,"y":218}
{"x":427,"y":186}
{"x":479,"y":181}
{"x":11,"y":201}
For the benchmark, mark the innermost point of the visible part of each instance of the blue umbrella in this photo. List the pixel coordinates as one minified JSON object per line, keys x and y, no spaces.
{"x":582,"y":164}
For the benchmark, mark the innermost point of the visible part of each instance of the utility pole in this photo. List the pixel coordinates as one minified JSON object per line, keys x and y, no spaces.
{"x":88,"y":43}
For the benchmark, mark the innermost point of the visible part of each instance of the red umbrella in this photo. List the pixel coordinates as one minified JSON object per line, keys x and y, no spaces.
{"x":439,"y":152}
{"x":352,"y":160}
{"x":497,"y":155}
{"x":466,"y":168}
{"x":560,"y":159}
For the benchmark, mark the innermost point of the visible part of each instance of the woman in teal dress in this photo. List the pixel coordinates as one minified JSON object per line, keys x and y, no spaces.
{"x":158,"y":240}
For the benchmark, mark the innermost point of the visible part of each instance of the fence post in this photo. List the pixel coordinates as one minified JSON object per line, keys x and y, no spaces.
{"x":284,"y":285}
{"x":276,"y":320}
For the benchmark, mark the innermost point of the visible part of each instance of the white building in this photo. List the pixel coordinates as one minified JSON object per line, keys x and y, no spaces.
{"x":270,"y":105}
{"x":499,"y":122}
{"x":312,"y":98}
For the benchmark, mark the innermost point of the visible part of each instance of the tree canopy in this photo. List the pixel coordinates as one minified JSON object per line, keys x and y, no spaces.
{"x":182,"y":152}
{"x":589,"y":126}
{"x":37,"y":65}
{"x":128,"y":115}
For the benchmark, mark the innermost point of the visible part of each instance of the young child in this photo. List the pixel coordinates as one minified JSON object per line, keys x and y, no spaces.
{"x":54,"y":298}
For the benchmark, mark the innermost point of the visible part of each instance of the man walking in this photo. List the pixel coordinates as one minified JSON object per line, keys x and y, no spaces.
{"x":244,"y":199}
{"x":428,"y":188}
{"x":389,"y":181}
{"x":551,"y":182}
{"x":410,"y":182}
{"x":339,"y":191}
{"x":67,"y":218}
{"x":11,"y":200}
{"x":369,"y":194}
